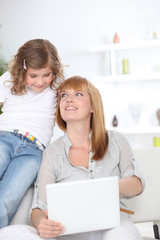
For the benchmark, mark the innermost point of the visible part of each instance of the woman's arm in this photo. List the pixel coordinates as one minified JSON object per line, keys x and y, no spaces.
{"x":131,"y":182}
{"x":130,"y":186}
{"x":46,"y":228}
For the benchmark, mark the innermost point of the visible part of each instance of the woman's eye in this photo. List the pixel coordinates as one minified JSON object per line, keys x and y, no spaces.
{"x":63,"y":95}
{"x":79,"y":94}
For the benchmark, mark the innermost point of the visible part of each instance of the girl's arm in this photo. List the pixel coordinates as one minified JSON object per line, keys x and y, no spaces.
{"x":45,"y":227}
{"x":130,"y":186}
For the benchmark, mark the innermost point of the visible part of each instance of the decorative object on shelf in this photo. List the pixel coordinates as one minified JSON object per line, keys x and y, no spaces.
{"x":125,"y":66}
{"x":115,"y":121}
{"x":158,"y":115}
{"x":154,"y":35}
{"x":116,"y":38}
{"x":156,"y":141}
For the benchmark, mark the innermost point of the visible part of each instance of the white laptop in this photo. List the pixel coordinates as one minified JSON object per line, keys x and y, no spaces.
{"x":86,"y":205}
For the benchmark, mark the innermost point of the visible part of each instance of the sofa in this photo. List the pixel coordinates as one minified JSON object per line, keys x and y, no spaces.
{"x":145,"y":206}
{"x":22,"y":215}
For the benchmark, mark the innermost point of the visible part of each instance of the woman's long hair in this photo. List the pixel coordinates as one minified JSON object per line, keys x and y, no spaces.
{"x":99,"y":137}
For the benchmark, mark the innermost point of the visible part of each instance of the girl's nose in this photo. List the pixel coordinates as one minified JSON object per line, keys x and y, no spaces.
{"x":40,"y":81}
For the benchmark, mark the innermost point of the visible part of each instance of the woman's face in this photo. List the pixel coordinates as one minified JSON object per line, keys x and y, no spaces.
{"x":75,"y":105}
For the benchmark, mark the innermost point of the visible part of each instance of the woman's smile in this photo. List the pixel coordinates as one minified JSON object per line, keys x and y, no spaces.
{"x":70,"y":108}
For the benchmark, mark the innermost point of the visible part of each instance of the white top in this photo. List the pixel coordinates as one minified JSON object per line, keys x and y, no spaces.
{"x":33,"y":112}
{"x":56,"y":167}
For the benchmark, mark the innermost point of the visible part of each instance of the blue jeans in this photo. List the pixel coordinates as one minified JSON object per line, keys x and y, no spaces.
{"x":20,"y":161}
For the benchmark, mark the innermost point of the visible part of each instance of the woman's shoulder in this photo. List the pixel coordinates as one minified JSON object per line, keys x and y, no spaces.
{"x":119,"y":139}
{"x":56,"y":145}
{"x":115,"y":134}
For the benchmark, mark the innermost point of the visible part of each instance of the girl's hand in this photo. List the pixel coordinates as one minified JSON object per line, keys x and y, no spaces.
{"x":49,"y":228}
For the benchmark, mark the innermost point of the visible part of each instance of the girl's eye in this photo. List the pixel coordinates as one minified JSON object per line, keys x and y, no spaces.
{"x":32,"y":76}
{"x":47,"y":75}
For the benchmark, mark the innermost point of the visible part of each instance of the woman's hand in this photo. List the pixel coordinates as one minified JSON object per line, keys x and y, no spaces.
{"x":46,"y":228}
{"x":49,"y":228}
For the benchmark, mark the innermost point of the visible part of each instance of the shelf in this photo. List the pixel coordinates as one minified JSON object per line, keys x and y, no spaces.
{"x":127,"y":78}
{"x":123,"y":46}
{"x":111,"y":50}
{"x":138,"y":130}
{"x":113,"y":61}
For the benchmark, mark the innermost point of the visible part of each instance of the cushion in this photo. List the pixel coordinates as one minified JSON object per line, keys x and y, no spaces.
{"x":19,"y":232}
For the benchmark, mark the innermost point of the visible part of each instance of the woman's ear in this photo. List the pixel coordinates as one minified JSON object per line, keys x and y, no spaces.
{"x":91,"y":109}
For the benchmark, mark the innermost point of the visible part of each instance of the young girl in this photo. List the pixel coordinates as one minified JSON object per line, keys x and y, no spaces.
{"x":85,"y":151}
{"x":29,"y":97}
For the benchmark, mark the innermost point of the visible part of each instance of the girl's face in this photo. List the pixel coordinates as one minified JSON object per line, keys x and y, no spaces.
{"x":38,"y":79}
{"x":75,"y":105}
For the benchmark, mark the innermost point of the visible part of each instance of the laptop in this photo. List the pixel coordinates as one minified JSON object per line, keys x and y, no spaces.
{"x":86,"y":205}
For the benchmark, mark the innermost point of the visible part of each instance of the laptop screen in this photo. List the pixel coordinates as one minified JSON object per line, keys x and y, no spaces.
{"x":85,"y":205}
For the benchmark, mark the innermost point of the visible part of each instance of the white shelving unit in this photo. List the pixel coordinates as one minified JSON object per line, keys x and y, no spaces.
{"x":127,"y":78}
{"x":140,"y":137}
{"x":137,"y":134}
{"x":139,"y":130}
{"x":112,"y":49}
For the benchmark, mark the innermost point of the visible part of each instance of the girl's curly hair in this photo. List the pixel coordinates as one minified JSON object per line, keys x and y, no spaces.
{"x":36,"y":53}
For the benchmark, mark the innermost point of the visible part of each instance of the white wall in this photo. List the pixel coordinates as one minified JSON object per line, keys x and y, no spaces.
{"x":73,"y":26}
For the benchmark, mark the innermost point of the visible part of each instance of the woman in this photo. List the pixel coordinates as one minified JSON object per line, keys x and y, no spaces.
{"x":85,"y":151}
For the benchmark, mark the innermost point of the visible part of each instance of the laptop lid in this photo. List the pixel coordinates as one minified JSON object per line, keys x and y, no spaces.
{"x":86,"y":205}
